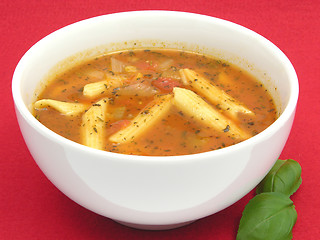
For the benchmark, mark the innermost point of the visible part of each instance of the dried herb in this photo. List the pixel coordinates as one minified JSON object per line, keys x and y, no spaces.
{"x":226,"y":129}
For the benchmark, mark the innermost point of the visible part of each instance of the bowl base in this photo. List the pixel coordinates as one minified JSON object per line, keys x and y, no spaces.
{"x":154,"y":227}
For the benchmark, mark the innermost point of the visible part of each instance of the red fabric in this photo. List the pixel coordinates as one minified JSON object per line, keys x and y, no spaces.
{"x":32,"y":208}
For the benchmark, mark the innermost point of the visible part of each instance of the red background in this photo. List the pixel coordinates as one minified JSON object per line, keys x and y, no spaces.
{"x":32,"y":208}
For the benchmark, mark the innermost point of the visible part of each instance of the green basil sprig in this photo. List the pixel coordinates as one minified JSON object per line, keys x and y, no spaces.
{"x":268,"y":216}
{"x":271,"y":215}
{"x":284,"y":177}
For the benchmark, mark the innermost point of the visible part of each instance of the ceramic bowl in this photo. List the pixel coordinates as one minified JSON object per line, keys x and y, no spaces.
{"x":155,"y":192}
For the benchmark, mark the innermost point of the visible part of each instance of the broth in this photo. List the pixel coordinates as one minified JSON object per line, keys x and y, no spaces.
{"x":133,"y":80}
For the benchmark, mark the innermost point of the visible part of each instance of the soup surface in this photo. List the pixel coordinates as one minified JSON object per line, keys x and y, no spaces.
{"x":155,"y":102}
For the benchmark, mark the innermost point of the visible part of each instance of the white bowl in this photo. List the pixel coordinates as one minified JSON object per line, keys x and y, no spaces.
{"x":156,"y":192}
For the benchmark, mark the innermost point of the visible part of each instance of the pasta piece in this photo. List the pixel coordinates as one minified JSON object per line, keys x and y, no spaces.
{"x":96,"y":89}
{"x":183,"y":77}
{"x":194,"y":106}
{"x":144,"y":120}
{"x":65,"y":108}
{"x":214,"y":94}
{"x":93,"y":125}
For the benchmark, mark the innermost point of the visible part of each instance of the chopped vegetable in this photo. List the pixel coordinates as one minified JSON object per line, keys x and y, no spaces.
{"x":166,"y":84}
{"x":118,"y":125}
{"x":130,"y":69}
{"x":117,"y":66}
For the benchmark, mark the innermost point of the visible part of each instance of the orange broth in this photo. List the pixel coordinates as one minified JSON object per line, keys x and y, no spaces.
{"x":175,"y":134}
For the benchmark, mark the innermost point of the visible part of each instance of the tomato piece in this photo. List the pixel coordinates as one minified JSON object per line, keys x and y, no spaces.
{"x":166,"y":84}
{"x":147,"y":65}
{"x":118,"y":125}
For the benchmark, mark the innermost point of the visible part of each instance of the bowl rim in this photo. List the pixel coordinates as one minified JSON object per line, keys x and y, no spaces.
{"x":287,"y":112}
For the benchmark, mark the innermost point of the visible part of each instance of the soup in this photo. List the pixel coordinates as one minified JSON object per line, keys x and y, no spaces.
{"x":155,"y":102}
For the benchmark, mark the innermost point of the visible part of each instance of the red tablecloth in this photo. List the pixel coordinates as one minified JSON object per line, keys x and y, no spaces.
{"x":32,"y":208}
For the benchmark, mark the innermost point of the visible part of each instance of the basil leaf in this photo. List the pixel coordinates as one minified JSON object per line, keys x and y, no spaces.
{"x":284,"y":177}
{"x":268,"y":216}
